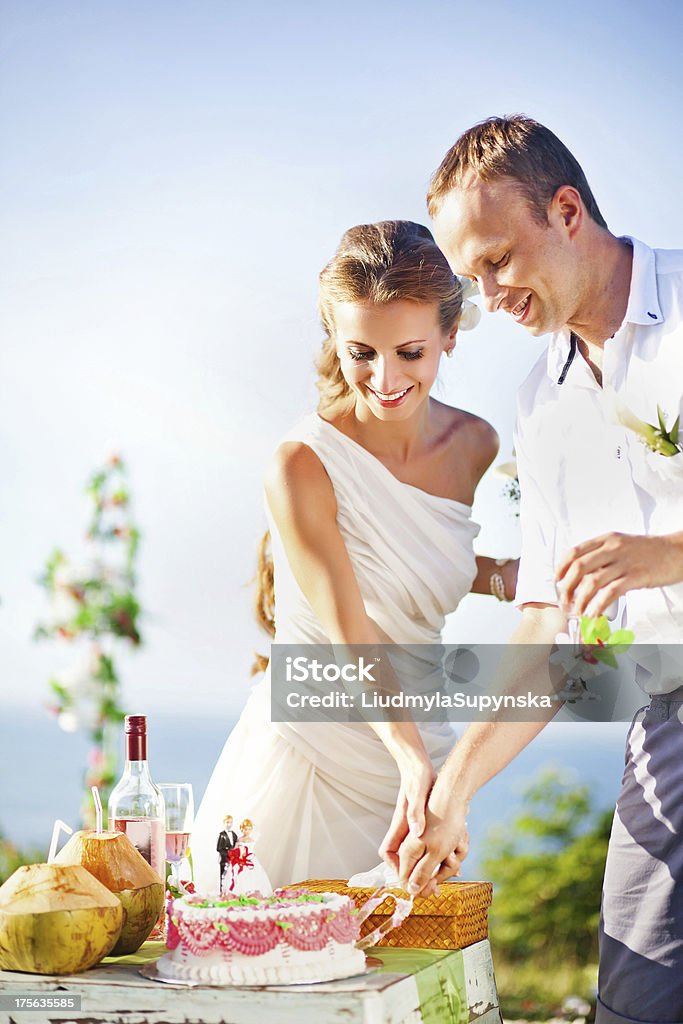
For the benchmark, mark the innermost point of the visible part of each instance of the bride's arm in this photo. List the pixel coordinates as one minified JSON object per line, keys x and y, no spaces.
{"x":304,"y":508}
{"x":475,"y":452}
{"x":496,"y":577}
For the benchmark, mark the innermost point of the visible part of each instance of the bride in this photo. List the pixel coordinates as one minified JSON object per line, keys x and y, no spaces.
{"x":369,"y":509}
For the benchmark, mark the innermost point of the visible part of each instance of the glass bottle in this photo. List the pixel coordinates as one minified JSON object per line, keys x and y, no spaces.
{"x":136,"y":806}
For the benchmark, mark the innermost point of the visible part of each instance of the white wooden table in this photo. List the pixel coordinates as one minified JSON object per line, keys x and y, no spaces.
{"x":413,"y":987}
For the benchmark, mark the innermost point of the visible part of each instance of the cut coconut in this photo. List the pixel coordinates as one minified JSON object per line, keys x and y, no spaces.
{"x":56,"y":919}
{"x":114,"y":861}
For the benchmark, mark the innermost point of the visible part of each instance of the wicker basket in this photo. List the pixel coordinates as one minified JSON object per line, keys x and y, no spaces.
{"x":456,"y":918}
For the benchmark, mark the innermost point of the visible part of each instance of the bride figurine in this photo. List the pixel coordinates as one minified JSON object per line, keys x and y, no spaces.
{"x":248,"y":874}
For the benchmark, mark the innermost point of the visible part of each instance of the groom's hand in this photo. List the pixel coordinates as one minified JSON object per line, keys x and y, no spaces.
{"x":437,"y":854}
{"x":592,"y":575}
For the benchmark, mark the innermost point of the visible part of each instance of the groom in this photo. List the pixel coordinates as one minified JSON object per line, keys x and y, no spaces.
{"x":601,"y":514}
{"x":227,"y":841}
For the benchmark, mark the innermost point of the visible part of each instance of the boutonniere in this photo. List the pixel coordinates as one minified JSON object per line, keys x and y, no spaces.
{"x":657,"y":438}
{"x":470,"y":314}
{"x":596,"y":651}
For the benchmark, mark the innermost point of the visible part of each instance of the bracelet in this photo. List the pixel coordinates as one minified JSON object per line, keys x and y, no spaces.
{"x":497,"y":583}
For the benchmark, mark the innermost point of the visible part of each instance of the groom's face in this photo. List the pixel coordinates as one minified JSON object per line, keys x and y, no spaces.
{"x":488,"y":233}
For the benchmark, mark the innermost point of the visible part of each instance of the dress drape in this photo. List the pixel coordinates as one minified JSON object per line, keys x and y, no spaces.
{"x":322,"y":794}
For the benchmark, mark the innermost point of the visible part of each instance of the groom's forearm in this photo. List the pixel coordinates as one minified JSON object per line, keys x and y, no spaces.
{"x":487,"y":747}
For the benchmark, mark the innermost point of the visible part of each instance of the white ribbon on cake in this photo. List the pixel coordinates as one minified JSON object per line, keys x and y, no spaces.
{"x":382,"y":879}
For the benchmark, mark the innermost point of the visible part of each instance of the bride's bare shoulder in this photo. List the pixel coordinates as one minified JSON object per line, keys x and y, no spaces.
{"x":470,"y":437}
{"x":296,"y":478}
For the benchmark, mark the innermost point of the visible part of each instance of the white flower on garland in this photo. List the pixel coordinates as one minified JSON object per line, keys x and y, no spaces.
{"x":79,"y":690}
{"x":67,"y":596}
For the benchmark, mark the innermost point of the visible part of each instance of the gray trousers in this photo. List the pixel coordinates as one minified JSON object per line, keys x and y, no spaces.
{"x":641,"y":931}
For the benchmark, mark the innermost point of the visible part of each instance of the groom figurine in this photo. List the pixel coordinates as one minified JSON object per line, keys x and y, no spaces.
{"x":601,"y":478}
{"x":227,"y":841}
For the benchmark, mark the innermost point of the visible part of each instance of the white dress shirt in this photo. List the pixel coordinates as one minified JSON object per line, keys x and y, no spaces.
{"x":581,"y":472}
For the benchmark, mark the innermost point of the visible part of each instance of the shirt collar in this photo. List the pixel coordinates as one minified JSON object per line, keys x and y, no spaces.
{"x":643,"y":300}
{"x":643,"y":308}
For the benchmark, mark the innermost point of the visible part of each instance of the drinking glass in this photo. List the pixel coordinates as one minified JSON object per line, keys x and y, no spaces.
{"x":179,"y":804}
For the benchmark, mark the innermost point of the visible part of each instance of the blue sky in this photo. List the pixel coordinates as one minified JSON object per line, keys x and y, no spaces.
{"x":174,"y":177}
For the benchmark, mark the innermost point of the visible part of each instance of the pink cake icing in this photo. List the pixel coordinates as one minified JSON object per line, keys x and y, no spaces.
{"x":258,"y":940}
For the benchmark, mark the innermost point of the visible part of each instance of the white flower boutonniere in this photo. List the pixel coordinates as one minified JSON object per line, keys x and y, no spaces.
{"x":470,"y":314}
{"x":657,"y":438}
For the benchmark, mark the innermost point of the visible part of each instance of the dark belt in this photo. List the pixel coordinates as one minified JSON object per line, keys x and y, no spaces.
{"x":660,"y":703}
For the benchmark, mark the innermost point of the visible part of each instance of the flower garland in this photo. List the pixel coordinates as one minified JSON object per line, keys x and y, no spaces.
{"x":94,"y":607}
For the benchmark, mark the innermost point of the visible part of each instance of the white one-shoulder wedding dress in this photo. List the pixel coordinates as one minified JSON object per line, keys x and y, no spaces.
{"x":321,"y":795}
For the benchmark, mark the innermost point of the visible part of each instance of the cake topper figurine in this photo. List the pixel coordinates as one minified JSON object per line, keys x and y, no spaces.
{"x":248,"y":874}
{"x":227,"y":841}
{"x":243,"y":873}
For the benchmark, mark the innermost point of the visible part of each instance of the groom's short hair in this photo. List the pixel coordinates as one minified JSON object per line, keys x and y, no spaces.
{"x":513,"y":147}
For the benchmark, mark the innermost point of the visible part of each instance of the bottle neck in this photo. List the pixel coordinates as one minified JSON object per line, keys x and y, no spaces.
{"x":136,"y":747}
{"x":136,"y":757}
{"x":136,"y":769}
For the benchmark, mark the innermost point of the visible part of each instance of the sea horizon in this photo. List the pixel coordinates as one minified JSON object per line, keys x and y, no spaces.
{"x":41,"y":769}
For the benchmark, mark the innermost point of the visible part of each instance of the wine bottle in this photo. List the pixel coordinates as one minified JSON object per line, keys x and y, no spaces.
{"x":136,"y":806}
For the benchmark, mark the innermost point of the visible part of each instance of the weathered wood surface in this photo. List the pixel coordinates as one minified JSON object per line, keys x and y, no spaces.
{"x":117,"y":994}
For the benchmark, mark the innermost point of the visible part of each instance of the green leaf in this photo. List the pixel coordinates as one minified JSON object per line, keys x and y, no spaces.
{"x":60,"y":692}
{"x":622,"y":638}
{"x":587,"y":629}
{"x":605,"y":656}
{"x":602,"y":628}
{"x":96,"y":483}
{"x":673,"y":433}
{"x":662,"y":421}
{"x":593,"y":630}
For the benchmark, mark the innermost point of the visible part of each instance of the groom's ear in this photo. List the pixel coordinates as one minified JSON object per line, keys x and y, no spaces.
{"x":567,"y":206}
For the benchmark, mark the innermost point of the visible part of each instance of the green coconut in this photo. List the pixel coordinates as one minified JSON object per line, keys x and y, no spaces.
{"x":114,"y":861}
{"x":56,"y":919}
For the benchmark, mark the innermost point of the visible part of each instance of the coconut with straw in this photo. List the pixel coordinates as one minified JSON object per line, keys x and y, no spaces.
{"x":113,"y":860}
{"x":56,"y":919}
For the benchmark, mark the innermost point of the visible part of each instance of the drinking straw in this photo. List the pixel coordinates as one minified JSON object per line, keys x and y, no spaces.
{"x":58,"y":826}
{"x":98,"y":807}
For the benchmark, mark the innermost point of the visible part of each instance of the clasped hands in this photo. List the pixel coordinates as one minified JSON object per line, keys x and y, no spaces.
{"x":427,"y":839}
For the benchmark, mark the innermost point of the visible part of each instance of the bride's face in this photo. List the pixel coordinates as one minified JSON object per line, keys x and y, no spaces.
{"x":389,"y":354}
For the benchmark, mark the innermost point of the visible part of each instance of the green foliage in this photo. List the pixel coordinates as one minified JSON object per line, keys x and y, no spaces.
{"x":657,"y":438}
{"x":11,"y":857}
{"x":94,"y":603}
{"x":547,"y":867}
{"x":513,"y":494}
{"x":604,"y":644}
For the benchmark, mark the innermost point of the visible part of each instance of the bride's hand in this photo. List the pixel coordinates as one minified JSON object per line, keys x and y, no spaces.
{"x":417,"y":779}
{"x":437,"y":854}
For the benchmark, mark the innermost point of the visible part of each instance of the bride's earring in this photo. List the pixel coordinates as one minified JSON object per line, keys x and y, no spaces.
{"x":449,"y":352}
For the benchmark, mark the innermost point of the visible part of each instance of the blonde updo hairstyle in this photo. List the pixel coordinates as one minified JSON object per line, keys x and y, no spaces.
{"x":374,"y":263}
{"x":378,"y":264}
